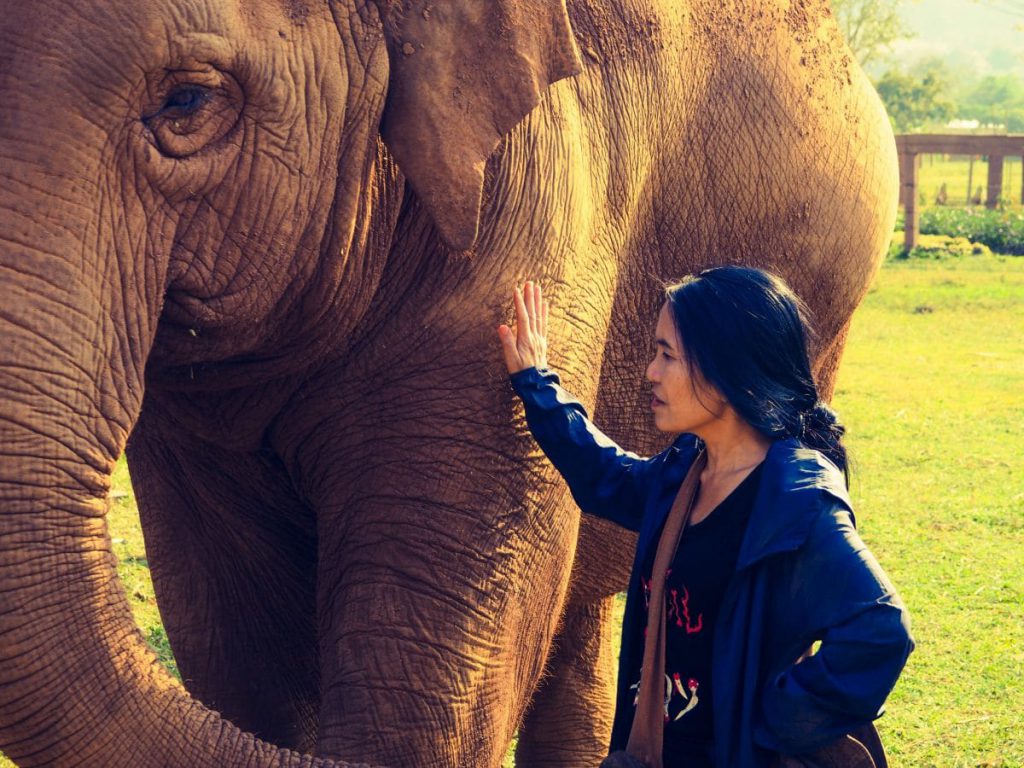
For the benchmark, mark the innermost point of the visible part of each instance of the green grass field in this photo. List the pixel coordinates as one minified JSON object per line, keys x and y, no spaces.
{"x":932,"y":391}
{"x":958,"y":175}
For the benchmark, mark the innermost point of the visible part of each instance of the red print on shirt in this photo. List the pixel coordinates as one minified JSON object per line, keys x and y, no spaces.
{"x":673,"y":607}
{"x":678,"y":606}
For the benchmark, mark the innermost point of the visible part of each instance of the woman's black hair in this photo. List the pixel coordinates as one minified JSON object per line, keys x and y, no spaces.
{"x":746,"y":333}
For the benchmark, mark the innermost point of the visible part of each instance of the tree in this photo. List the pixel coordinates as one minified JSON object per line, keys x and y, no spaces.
{"x":914,"y":102}
{"x":996,"y":100}
{"x":870,"y":27}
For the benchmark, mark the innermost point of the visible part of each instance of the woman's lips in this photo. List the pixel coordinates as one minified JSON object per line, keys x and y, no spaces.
{"x":655,"y":402}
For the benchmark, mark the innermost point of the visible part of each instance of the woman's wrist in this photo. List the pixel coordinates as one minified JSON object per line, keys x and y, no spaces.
{"x":528,"y":381}
{"x":524,"y":373}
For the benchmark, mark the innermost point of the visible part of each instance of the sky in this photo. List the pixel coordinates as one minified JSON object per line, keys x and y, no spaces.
{"x":979,"y":37}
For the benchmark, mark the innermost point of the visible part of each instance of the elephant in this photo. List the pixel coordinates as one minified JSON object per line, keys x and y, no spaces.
{"x":263,"y":248}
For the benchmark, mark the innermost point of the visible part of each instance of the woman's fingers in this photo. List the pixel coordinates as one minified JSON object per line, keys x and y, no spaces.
{"x":525,"y":343}
{"x":535,"y":316}
{"x":543,"y":314}
{"x":522,"y":317}
{"x":540,"y":306}
{"x":529,"y":296}
{"x":508,"y":348}
{"x":533,"y":299}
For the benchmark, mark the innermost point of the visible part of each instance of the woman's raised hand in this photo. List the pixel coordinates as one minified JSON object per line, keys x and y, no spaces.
{"x":527,"y":345}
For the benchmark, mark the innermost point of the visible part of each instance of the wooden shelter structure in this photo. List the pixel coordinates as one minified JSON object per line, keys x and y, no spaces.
{"x":911,"y":145}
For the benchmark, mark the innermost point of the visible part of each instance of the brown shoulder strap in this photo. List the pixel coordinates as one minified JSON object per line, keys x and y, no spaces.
{"x":647,"y":734}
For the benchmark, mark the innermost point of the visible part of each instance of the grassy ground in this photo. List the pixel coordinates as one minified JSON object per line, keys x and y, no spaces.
{"x":133,"y":566}
{"x":932,"y":390}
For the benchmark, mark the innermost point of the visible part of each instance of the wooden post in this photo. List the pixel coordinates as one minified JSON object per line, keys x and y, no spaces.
{"x":908,"y":184}
{"x":970,"y":178}
{"x":995,"y":181}
{"x":1007,"y":176}
{"x":903,"y":190}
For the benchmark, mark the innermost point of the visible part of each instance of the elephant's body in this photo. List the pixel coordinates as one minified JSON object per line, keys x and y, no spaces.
{"x":355,"y":545}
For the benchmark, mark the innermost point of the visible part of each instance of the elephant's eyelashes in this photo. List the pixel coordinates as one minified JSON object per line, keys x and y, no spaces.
{"x":193,"y":115}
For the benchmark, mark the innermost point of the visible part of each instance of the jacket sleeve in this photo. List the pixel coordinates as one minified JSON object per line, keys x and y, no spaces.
{"x":865,"y":641}
{"x":605,"y":480}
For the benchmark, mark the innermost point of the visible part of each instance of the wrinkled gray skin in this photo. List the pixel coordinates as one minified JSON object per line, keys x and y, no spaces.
{"x":265,"y":245}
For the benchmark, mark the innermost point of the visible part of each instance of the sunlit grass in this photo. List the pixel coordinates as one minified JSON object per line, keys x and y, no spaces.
{"x":133,"y":567}
{"x":932,"y":391}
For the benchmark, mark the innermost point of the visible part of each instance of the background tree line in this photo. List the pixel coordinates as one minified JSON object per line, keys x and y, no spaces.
{"x":929,"y":92}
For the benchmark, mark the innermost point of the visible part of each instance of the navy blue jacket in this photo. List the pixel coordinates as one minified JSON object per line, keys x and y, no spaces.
{"x":803,"y":575}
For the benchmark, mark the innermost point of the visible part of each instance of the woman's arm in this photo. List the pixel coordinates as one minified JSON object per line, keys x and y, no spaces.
{"x":865,"y":641}
{"x":604,"y":480}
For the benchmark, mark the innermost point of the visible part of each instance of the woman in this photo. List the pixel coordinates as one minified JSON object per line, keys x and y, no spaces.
{"x":768,"y":563}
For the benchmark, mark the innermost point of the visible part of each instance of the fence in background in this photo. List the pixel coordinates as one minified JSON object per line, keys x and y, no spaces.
{"x":911,"y":146}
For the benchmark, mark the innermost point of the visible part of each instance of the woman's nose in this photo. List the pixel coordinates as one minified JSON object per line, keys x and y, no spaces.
{"x":650,"y":371}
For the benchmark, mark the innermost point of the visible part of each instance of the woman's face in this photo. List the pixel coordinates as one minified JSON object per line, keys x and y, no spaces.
{"x":680,"y":404}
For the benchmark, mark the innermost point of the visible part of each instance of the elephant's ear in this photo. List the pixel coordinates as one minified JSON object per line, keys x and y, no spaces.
{"x":463,"y":73}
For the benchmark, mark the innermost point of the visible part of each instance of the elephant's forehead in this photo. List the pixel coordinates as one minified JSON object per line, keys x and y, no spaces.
{"x":123,"y":17}
{"x":102,"y":61}
{"x":97,"y":40}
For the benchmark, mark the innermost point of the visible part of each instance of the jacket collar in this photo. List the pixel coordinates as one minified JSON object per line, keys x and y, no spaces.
{"x":796,"y":484}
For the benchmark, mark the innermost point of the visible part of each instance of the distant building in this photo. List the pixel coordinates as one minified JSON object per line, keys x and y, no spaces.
{"x":963,"y":125}
{"x":973,"y":126}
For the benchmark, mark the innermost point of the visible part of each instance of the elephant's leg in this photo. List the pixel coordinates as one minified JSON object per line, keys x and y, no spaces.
{"x":826,"y":368}
{"x":570,"y":719}
{"x":444,"y":551}
{"x":233,"y":557}
{"x":440,"y":589}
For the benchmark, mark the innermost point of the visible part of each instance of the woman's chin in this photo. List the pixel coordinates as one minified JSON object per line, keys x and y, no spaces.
{"x":669,"y":427}
{"x":660,"y":425}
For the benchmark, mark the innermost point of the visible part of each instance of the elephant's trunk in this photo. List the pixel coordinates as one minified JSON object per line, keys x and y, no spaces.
{"x":78,"y":307}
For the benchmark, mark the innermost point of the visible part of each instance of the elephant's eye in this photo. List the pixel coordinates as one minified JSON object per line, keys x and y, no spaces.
{"x":185,"y":100}
{"x":196,"y":110}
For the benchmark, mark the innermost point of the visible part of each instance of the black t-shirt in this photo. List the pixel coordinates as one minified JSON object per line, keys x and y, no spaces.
{"x":700,"y":573}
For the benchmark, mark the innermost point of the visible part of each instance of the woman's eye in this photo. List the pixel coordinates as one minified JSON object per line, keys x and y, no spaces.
{"x":666,"y":355}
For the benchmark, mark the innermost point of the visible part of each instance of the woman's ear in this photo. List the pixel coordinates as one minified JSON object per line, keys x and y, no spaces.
{"x":463,"y":73}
